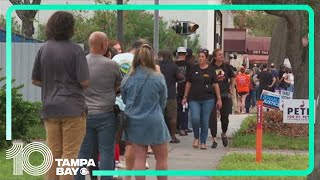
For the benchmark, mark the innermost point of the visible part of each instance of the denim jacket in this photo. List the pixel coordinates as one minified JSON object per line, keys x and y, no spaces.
{"x":151,"y":101}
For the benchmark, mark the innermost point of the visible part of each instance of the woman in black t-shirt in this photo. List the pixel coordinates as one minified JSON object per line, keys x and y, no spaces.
{"x":201,"y":90}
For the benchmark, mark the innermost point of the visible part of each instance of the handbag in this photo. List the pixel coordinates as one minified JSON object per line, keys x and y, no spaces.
{"x":122,"y":117}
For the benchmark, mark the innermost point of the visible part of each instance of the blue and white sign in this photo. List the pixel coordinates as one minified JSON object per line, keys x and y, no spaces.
{"x":270,"y":99}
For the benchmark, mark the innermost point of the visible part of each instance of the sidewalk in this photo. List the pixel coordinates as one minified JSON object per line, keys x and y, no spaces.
{"x":184,"y":157}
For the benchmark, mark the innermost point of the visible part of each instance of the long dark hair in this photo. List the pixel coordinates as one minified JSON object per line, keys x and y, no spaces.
{"x":214,"y":53}
{"x":60,"y":26}
{"x":166,"y":55}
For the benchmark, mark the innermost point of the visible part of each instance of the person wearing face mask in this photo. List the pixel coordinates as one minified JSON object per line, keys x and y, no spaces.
{"x":202,"y":90}
{"x":225,"y":76}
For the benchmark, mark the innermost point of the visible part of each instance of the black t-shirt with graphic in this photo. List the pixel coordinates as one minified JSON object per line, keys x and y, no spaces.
{"x":202,"y":83}
{"x":224,"y":73}
{"x":183,"y":68}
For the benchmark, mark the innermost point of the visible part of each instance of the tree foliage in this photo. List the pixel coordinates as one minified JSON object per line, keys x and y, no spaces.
{"x":291,"y":27}
{"x":15,"y":26}
{"x":258,"y":23}
{"x":137,"y":24}
{"x":24,"y":114}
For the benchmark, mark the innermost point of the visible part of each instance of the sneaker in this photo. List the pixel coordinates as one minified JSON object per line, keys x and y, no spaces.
{"x":224,"y":139}
{"x":174,"y":140}
{"x":214,"y":145}
{"x":120,"y":165}
{"x":183,"y":133}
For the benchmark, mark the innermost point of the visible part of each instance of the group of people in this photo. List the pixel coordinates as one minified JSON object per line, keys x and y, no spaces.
{"x":251,"y":83}
{"x":82,"y":90}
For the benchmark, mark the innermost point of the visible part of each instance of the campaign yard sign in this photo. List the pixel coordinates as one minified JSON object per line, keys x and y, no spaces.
{"x":270,"y":99}
{"x":296,"y":111}
{"x":284,"y":95}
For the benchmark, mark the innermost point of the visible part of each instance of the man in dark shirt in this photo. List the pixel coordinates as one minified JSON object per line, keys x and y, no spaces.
{"x":225,"y":77}
{"x":183,"y":68}
{"x":61,"y":70}
{"x":170,"y":71}
{"x":266,"y":80}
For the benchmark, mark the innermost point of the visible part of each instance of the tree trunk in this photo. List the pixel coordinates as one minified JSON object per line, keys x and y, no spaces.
{"x":278,"y":42}
{"x":27,"y":17}
{"x":315,"y":175}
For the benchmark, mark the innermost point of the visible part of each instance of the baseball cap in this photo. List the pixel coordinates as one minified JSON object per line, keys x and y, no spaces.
{"x":182,"y":50}
{"x":272,"y":65}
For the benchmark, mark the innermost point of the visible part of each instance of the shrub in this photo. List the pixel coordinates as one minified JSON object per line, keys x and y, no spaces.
{"x":24,"y":114}
{"x":273,"y":123}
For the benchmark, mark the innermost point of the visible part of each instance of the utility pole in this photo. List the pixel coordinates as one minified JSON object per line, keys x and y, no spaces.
{"x":156,"y":30}
{"x":185,"y":43}
{"x":120,"y":22}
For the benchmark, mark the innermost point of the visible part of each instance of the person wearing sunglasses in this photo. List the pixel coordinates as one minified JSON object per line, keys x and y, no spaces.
{"x":202,"y":91}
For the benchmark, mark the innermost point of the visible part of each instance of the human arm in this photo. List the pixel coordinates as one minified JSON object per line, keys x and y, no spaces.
{"x":217,"y":91}
{"x":123,"y":91}
{"x":232,"y":80}
{"x":37,"y":83}
{"x":186,"y":93}
{"x":118,"y":78}
{"x":274,"y":80}
{"x":163,"y":93}
{"x":36,"y":72}
{"x":82,"y":69}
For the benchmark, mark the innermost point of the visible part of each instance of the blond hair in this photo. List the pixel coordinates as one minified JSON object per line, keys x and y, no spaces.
{"x":144,"y":56}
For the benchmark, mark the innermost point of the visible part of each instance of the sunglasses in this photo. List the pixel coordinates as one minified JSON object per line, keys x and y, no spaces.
{"x":146,"y":46}
{"x":203,"y":51}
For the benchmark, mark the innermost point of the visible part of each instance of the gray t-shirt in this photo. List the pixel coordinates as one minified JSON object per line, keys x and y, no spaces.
{"x":104,"y":74}
{"x":61,"y":66}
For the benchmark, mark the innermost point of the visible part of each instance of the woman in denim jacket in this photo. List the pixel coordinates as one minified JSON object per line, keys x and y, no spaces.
{"x":144,"y":93}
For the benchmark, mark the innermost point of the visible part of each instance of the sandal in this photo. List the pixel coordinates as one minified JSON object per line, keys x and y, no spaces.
{"x":203,"y":147}
{"x":174,"y":140}
{"x":196,"y":143}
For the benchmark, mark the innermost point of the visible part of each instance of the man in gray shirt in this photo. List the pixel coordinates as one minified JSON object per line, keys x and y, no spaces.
{"x":105,"y":78}
{"x":61,"y":70}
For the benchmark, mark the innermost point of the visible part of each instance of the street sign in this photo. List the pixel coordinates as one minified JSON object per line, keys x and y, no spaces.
{"x":296,"y":111}
{"x":270,"y":99}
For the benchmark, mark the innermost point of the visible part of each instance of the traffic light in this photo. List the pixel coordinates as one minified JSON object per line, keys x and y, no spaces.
{"x":184,"y":27}
{"x":192,"y":27}
{"x":176,"y":26}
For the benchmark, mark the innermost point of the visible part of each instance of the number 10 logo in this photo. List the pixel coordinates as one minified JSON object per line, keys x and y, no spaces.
{"x":20,"y":156}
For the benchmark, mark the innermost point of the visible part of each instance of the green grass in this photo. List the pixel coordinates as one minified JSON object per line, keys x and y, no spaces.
{"x":7,"y":167}
{"x":269,"y":141}
{"x":37,"y":132}
{"x":238,"y":161}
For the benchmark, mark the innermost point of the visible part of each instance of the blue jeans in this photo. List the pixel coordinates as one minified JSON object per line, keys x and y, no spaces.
{"x":254,"y":98}
{"x":182,"y":117}
{"x":290,"y":88}
{"x":101,"y":127}
{"x":200,"y":114}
